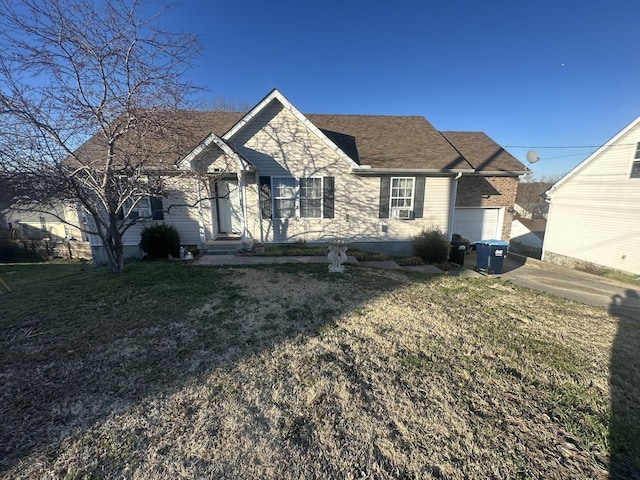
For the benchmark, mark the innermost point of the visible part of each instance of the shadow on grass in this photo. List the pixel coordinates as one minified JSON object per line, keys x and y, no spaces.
{"x":624,"y":429}
{"x":78,"y":347}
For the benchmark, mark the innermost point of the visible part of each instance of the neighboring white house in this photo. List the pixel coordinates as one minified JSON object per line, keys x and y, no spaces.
{"x":594,"y":215}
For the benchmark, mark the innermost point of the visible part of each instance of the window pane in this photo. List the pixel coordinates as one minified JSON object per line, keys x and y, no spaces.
{"x":635,"y":170}
{"x":311,"y":187}
{"x":310,"y":208}
{"x":284,"y":187}
{"x":637,"y":151}
{"x":284,"y":208}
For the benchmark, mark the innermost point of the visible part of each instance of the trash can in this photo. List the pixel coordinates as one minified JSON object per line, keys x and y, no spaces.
{"x":458,"y":249}
{"x":490,"y":255}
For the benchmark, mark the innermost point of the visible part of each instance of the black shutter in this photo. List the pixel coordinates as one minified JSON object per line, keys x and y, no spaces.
{"x":385,"y":191}
{"x":418,"y":198}
{"x":328,"y":197}
{"x":156,"y":208}
{"x":265,"y":196}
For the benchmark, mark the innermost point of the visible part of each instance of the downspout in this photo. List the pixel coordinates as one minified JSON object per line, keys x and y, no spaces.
{"x":201,"y":225}
{"x":259,"y":210}
{"x":452,"y":206}
{"x":243,"y":206}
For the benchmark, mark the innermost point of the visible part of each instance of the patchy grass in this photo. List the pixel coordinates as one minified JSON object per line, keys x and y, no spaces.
{"x":287,"y":371}
{"x":617,"y":275}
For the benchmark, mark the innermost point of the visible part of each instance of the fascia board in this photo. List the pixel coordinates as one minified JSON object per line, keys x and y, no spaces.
{"x":407,"y":171}
{"x":183,"y":164}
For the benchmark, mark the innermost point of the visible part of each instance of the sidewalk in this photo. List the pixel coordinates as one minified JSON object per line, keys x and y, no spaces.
{"x":619,"y":298}
{"x":219,"y":260}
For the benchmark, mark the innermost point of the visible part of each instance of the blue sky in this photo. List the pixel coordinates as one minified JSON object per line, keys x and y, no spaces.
{"x":532,"y":74}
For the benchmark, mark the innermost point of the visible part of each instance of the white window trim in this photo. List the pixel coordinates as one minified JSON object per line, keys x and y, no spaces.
{"x":394,"y":212}
{"x":296,"y":198}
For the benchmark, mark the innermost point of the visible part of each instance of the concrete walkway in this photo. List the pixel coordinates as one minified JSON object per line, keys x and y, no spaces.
{"x":619,"y":298}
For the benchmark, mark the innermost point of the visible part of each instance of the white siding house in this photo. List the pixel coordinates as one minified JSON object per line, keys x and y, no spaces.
{"x":275,"y":175}
{"x":594,"y":215}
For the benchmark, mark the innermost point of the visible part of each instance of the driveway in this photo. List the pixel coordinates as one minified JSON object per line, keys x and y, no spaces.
{"x":619,"y":298}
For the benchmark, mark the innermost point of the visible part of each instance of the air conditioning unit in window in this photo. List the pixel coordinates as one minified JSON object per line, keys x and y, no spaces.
{"x":404,"y":213}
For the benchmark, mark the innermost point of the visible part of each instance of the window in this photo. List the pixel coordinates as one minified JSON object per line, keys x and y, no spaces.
{"x":143,"y":207}
{"x":401,"y":197}
{"x":284,"y":197}
{"x":310,"y":197}
{"x":139,"y":209}
{"x":635,"y":168}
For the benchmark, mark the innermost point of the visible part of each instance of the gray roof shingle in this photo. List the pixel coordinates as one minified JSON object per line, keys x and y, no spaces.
{"x":384,"y":142}
{"x":482,"y":153}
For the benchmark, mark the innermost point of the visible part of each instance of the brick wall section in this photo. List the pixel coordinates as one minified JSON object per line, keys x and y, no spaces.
{"x":479,"y":191}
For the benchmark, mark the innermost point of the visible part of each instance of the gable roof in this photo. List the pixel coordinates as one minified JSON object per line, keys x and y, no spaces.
{"x":591,"y":158}
{"x":367,"y":143}
{"x":483,"y":154}
{"x":276,"y":96}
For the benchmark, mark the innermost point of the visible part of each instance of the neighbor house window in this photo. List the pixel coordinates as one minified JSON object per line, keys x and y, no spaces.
{"x":310,"y":197}
{"x":401,"y":197}
{"x":635,"y":168}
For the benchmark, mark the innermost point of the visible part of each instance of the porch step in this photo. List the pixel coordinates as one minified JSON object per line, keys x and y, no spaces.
{"x":224,"y":247}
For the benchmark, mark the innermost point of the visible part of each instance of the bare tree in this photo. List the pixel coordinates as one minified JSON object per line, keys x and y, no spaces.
{"x":74,"y":70}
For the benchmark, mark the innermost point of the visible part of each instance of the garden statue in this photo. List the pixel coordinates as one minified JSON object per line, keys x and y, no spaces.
{"x":337,"y":256}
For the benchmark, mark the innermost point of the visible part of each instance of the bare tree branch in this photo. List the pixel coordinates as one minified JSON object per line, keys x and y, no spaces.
{"x":82,"y":83}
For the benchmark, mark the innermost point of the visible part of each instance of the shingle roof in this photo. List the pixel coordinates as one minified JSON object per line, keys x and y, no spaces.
{"x":387,"y":142}
{"x":393,"y":141}
{"x":483,"y":153}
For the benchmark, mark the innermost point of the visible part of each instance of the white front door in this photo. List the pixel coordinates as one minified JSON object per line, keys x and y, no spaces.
{"x":229,"y":211}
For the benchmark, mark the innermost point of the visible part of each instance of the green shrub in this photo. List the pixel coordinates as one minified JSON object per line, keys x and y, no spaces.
{"x":160,"y":241}
{"x":431,"y":245}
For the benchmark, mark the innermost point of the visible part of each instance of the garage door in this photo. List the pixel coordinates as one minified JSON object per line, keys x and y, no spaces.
{"x":477,"y":223}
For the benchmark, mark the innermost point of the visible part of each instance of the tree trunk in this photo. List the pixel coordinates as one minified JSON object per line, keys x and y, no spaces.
{"x":113,"y":244}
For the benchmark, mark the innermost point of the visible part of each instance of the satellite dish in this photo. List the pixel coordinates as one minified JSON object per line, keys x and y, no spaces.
{"x":532,"y":156}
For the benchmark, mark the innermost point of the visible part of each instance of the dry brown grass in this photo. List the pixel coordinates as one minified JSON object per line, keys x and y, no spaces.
{"x":289,"y":372}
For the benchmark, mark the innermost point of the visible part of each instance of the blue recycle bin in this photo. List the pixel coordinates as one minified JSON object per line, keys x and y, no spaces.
{"x":490,"y":255}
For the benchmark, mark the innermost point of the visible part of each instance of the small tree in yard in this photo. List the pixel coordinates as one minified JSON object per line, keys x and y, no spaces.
{"x":71,"y":70}
{"x":431,"y":245}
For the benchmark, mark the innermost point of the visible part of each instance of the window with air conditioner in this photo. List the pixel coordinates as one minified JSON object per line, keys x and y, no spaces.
{"x":401,"y":197}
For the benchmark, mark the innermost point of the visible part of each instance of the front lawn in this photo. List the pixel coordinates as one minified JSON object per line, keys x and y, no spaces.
{"x":287,"y":371}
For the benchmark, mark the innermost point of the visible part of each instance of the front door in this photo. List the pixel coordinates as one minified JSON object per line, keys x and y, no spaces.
{"x":229,"y":212}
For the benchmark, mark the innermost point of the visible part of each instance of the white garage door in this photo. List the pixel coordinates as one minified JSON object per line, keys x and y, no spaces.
{"x":477,"y":223}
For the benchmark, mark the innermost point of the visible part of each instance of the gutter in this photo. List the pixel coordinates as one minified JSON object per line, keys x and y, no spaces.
{"x":408,"y":171}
